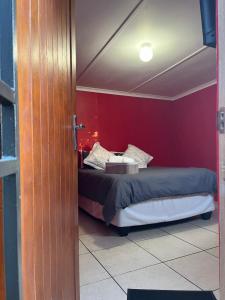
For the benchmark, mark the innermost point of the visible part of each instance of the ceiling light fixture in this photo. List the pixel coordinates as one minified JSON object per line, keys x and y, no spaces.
{"x":146,"y":52}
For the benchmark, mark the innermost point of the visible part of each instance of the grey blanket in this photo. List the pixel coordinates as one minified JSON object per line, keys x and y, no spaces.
{"x":116,"y":191}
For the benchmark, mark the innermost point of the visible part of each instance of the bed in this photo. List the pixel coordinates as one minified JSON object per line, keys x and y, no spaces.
{"x":153,"y":195}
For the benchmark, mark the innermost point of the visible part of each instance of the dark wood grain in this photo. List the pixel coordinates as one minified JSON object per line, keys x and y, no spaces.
{"x":2,"y":271}
{"x":46,"y":85}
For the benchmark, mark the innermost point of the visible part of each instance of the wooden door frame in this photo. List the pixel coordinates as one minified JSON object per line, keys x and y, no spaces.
{"x":73,"y":91}
{"x":221,"y":138}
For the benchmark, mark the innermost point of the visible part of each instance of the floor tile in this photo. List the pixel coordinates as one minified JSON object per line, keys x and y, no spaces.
{"x":214,"y":251}
{"x":124,"y":258}
{"x":197,"y":236}
{"x":167,"y":247}
{"x":145,"y":234}
{"x":217,"y":294}
{"x":211,"y":224}
{"x":103,"y":290}
{"x":90,"y":270}
{"x":82,"y":249}
{"x":102,"y":241}
{"x":154,"y":277}
{"x":200,"y":268}
{"x":89,"y":225}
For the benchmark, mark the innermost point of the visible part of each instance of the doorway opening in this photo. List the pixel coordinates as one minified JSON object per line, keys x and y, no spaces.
{"x":166,"y":107}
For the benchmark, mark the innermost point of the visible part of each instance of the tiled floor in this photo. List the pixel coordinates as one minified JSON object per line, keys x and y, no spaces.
{"x":178,"y":256}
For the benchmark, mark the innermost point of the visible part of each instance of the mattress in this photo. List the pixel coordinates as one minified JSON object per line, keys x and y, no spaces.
{"x":154,"y":210}
{"x":115,"y":191}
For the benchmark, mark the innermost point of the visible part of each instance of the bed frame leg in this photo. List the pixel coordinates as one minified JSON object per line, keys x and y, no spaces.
{"x":123,"y":231}
{"x":206,"y":216}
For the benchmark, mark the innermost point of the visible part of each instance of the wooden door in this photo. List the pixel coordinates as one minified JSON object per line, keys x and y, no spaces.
{"x":221,"y":97}
{"x":48,"y":178}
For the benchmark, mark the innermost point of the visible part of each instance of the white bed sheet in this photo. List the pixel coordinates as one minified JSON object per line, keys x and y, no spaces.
{"x":154,"y":211}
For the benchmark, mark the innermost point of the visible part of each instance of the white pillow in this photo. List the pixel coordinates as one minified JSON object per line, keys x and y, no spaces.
{"x":98,"y":157}
{"x":141,"y":157}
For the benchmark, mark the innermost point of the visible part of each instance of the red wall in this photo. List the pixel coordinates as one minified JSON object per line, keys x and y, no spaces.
{"x":180,"y":133}
{"x":194,"y":129}
{"x":121,"y":120}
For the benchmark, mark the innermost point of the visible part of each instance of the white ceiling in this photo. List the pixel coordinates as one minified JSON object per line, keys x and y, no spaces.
{"x":109,"y":35}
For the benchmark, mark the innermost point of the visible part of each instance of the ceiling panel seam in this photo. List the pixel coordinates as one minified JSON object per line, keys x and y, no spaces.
{"x":195,"y":53}
{"x":121,"y":93}
{"x":194,"y":90}
{"x":147,"y":96}
{"x":113,"y":36}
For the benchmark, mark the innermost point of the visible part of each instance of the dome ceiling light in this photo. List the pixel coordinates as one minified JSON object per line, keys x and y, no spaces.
{"x":146,"y":52}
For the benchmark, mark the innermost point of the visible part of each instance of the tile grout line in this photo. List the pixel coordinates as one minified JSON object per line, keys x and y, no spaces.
{"x":183,"y":240}
{"x":84,"y":246}
{"x":160,"y":261}
{"x":110,"y":276}
{"x":142,"y":240}
{"x":203,"y":227}
{"x":164,"y":263}
{"x":183,"y":256}
{"x":101,"y":280}
{"x":211,"y":253}
{"x":201,"y":250}
{"x":187,"y":278}
{"x":132,"y":242}
{"x":168,"y":233}
{"x":184,"y":277}
{"x":187,"y":241}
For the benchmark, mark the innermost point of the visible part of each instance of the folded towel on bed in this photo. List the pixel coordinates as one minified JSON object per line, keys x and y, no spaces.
{"x":121,"y":159}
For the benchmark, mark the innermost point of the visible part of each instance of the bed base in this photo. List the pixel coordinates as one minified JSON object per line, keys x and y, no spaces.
{"x":124,"y":231}
{"x":154,"y":211}
{"x":206,"y":216}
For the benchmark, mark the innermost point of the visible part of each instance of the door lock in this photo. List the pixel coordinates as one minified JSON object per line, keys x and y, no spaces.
{"x":76,"y":127}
